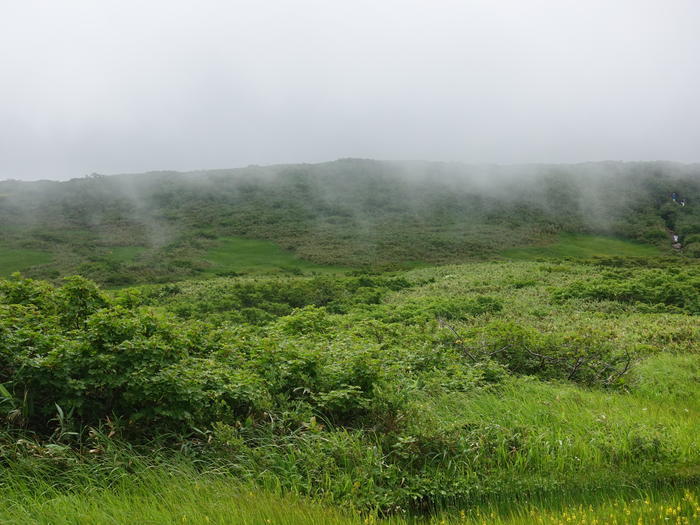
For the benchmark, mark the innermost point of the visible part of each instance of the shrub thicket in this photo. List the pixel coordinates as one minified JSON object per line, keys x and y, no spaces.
{"x":668,"y":289}
{"x":374,"y":391}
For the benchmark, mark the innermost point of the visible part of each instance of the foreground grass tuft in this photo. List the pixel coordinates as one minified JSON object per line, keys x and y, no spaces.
{"x":184,"y":496}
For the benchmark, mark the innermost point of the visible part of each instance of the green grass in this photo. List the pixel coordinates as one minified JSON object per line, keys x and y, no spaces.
{"x":566,"y":426}
{"x":124,"y":254}
{"x":17,"y":259}
{"x":182,"y":495}
{"x":582,"y":246}
{"x":233,"y":254}
{"x":153,"y":496}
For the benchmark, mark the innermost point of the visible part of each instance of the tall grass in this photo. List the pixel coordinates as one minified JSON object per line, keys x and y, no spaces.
{"x":181,"y":495}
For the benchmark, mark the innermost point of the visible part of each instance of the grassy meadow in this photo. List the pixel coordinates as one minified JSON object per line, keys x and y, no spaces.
{"x":236,"y":255}
{"x":124,"y":254}
{"x":162,"y":497}
{"x":17,"y":259}
{"x":583,"y":246}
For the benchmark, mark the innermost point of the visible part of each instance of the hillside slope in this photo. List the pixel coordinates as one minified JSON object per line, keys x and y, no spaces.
{"x":162,"y":226}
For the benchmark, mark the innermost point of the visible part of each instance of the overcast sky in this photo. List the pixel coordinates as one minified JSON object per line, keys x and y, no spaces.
{"x":123,"y":86}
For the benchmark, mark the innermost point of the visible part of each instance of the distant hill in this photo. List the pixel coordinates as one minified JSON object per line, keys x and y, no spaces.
{"x":162,"y":226}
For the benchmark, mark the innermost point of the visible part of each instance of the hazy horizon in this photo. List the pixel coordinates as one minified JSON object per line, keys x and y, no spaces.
{"x":526,"y":168}
{"x":121,"y":87}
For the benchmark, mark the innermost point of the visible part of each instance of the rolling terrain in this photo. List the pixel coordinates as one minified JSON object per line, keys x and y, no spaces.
{"x":352,"y":342}
{"x":358,"y":214}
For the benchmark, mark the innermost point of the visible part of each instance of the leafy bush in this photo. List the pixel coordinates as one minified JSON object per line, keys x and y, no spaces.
{"x":429,"y":308}
{"x":98,"y":359}
{"x":262,"y":301}
{"x":69,"y":347}
{"x":669,"y":289}
{"x":585,"y":358}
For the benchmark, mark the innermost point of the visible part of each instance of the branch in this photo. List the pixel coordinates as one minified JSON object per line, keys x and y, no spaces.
{"x":466,"y":352}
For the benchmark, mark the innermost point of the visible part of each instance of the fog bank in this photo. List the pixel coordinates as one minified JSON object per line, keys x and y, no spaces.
{"x":127,"y":87}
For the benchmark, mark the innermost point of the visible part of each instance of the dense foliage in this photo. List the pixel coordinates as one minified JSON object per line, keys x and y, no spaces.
{"x":403,"y":391}
{"x":671,"y":290}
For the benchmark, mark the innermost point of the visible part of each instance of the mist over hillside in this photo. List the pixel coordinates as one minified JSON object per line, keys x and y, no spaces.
{"x":351,"y":212}
{"x":504,"y":335}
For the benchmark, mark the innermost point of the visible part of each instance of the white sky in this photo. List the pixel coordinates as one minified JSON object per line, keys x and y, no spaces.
{"x":122,"y":86}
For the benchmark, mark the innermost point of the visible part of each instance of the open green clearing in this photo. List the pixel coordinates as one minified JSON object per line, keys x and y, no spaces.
{"x":582,"y":246}
{"x":239,"y":255}
{"x":16,"y":259}
{"x":123,"y":254}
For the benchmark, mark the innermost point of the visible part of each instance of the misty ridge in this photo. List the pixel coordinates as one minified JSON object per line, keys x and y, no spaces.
{"x":350,"y":212}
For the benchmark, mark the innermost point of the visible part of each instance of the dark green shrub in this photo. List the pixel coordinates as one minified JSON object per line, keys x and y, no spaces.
{"x":307,"y":320}
{"x":70,"y":347}
{"x":77,"y":300}
{"x":18,"y":290}
{"x":429,"y":308}
{"x":588,"y":358}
